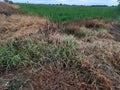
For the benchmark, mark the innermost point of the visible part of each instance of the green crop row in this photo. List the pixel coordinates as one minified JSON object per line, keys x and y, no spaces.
{"x":68,"y":13}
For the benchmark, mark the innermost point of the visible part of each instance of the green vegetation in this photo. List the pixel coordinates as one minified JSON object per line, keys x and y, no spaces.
{"x":82,"y":33}
{"x":13,"y":85}
{"x":21,"y":52}
{"x":119,"y":4}
{"x":67,"y":13}
{"x":102,"y":30}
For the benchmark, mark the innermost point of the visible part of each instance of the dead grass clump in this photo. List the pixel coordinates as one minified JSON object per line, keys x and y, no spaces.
{"x":21,"y":25}
{"x":115,"y":60}
{"x":56,"y":37}
{"x":90,"y":28}
{"x":89,"y":34}
{"x":104,"y":55}
{"x":81,"y":32}
{"x":89,"y":23}
{"x":86,"y":77}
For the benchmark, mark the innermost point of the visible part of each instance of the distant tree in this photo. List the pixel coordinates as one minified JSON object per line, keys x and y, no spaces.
{"x":119,"y":4}
{"x":99,"y":6}
{"x":11,"y":2}
{"x":60,"y":4}
{"x":6,"y":0}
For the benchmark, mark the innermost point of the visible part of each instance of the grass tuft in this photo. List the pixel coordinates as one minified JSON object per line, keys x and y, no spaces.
{"x":21,"y":52}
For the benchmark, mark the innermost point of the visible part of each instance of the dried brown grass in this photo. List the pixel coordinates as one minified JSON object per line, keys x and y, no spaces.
{"x":89,"y":23}
{"x":20,"y":26}
{"x":86,"y":78}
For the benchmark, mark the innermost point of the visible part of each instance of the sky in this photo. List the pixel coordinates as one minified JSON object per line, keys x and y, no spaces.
{"x":71,"y":2}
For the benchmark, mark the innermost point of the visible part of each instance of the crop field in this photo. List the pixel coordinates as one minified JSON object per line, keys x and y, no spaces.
{"x":67,"y":13}
{"x":48,"y":47}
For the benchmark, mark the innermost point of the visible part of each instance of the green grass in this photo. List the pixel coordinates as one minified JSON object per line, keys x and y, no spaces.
{"x":19,"y":53}
{"x":101,"y":30}
{"x":68,"y":13}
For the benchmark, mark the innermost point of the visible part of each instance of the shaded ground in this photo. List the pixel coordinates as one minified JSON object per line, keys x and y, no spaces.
{"x":98,"y":67}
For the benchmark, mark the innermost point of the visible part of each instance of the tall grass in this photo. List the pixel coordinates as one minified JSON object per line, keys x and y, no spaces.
{"x":67,"y":13}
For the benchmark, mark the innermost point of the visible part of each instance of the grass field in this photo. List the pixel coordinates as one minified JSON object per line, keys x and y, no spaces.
{"x":68,"y":13}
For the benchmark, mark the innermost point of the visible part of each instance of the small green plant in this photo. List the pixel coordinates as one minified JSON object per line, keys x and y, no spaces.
{"x":11,"y":57}
{"x":101,"y":30}
{"x":61,"y":52}
{"x":81,"y":33}
{"x":16,"y":53}
{"x":13,"y":85}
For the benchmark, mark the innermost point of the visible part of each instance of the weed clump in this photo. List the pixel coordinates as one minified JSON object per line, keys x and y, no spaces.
{"x":21,"y":52}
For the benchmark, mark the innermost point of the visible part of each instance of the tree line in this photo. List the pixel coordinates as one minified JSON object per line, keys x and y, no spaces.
{"x":8,"y":1}
{"x":11,"y":2}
